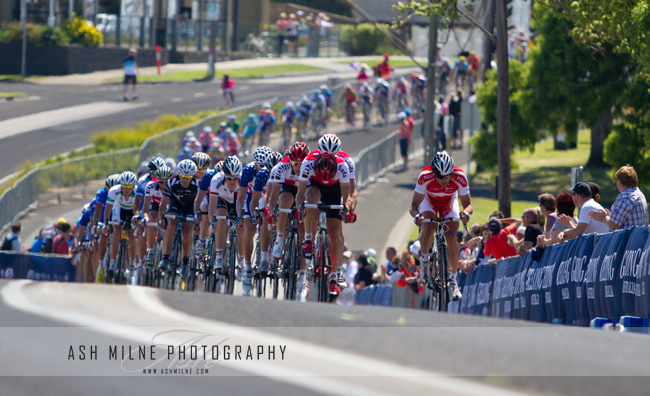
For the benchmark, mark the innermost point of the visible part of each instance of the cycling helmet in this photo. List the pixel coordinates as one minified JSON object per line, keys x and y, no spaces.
{"x":156,"y":163}
{"x":85,"y":208}
{"x":289,"y":105}
{"x":128,"y":178}
{"x":273,"y":159}
{"x":232,"y":166}
{"x":442,"y":164}
{"x":380,"y":81}
{"x":347,"y":87}
{"x":261,"y":153}
{"x":304,"y":98}
{"x":251,"y":116}
{"x":219,"y":166}
{"x":144,"y":167}
{"x":329,"y":143}
{"x":112,"y":180}
{"x":231,"y":117}
{"x":207,"y":129}
{"x":317,"y":92}
{"x":407,"y":111}
{"x":189,"y":134}
{"x":266,"y":105}
{"x":401,"y":115}
{"x":365,"y":84}
{"x":298,"y":151}
{"x":187,"y":168}
{"x":201,"y":159}
{"x":324,"y":86}
{"x":164,"y":173}
{"x":223,"y":124}
{"x":325,"y":166}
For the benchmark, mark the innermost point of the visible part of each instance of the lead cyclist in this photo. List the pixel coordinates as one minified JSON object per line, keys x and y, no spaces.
{"x":441,"y":184}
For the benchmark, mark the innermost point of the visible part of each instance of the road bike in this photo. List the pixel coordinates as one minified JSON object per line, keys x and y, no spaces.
{"x":382,"y":107}
{"x":169,"y":278}
{"x":366,"y":107}
{"x":287,"y":128}
{"x":228,"y":273}
{"x":122,"y":272}
{"x":291,"y":258}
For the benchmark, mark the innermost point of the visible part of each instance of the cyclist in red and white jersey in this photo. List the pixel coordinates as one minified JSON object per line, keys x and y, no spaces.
{"x":153,"y":194}
{"x":436,"y":196}
{"x":331,"y":143}
{"x":325,"y":177}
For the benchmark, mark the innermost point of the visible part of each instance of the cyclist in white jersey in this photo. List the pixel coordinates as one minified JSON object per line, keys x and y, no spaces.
{"x":120,"y":203}
{"x":150,"y":209}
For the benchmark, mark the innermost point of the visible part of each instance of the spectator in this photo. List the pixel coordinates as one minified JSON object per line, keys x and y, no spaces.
{"x":455,"y":111}
{"x":351,"y":268}
{"x":393,"y":268}
{"x":581,"y":195}
{"x":405,"y":135}
{"x":292,"y":32}
{"x":130,"y":73}
{"x":547,"y":206}
{"x":497,"y":245}
{"x":384,"y":68}
{"x":595,"y":191}
{"x":363,"y":278}
{"x":566,"y":207}
{"x":61,"y":243}
{"x":531,"y":219}
{"x":11,"y":242}
{"x":371,"y":255}
{"x":498,"y":214}
{"x":282,"y":25}
{"x":391,"y":253}
{"x":630,"y":208}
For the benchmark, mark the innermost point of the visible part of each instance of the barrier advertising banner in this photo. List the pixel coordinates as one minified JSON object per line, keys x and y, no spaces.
{"x":625,"y":278}
{"x":37,"y":267}
{"x":608,"y":288}
{"x":642,"y":296}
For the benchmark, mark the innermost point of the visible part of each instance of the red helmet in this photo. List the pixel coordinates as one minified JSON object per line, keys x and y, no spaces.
{"x":298,"y":151}
{"x":325,"y":166}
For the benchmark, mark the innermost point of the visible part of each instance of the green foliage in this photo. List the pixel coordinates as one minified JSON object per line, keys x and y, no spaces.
{"x":364,"y":39}
{"x":37,"y":35}
{"x":523,"y":134}
{"x":81,"y":32}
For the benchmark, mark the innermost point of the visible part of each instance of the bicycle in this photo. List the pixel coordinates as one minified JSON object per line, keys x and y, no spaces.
{"x":366,"y":107}
{"x":230,"y":254}
{"x":317,"y":123}
{"x":350,"y":113}
{"x":323,"y":266}
{"x":190,"y":283}
{"x":438,"y":279}
{"x":291,"y":259}
{"x":148,"y":272}
{"x":208,"y":275}
{"x":121,"y":272}
{"x":168,"y":277}
{"x":287,"y":128}
{"x":302,"y":127}
{"x":381,"y":108}
{"x":228,"y":95}
{"x":259,"y":279}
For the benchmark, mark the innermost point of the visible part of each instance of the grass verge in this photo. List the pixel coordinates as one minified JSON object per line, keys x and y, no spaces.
{"x":248,"y":72}
{"x":372,"y":62}
{"x":11,"y":94}
{"x":16,"y":77}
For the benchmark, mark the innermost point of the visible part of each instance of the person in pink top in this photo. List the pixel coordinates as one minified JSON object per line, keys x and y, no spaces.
{"x":405,"y":134}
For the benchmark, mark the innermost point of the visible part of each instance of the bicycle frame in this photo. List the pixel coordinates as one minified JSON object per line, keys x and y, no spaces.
{"x":230,"y":253}
{"x":291,"y":260}
{"x":122,"y":252}
{"x":177,"y":248}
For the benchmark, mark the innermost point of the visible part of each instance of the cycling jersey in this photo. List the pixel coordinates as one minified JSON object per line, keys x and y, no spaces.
{"x":461,"y":66}
{"x":328,"y":96}
{"x":288,"y":114}
{"x":382,"y":89}
{"x":282,"y":173}
{"x":219,"y":189}
{"x":119,"y":200}
{"x":100,"y":197}
{"x":267,"y":120}
{"x":154,"y":191}
{"x":350,"y":96}
{"x":345,"y":157}
{"x":250,"y":127}
{"x":401,"y":88}
{"x":307,"y":171}
{"x":253,"y":179}
{"x":319,"y":100}
{"x":443,"y":201}
{"x":87,"y":215}
{"x":179,"y":195}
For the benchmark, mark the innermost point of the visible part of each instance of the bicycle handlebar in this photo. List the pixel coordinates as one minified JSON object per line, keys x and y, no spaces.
{"x":441,"y":220}
{"x":323,"y":206}
{"x":178,"y":217}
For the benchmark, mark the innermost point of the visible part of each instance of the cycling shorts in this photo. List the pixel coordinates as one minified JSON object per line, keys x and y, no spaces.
{"x":205,"y":201}
{"x":446,"y":211}
{"x":154,"y":207}
{"x":121,"y":214}
{"x":329,"y":195}
{"x":230,"y":207}
{"x":247,"y":203}
{"x":181,"y":210}
{"x":289,"y":188}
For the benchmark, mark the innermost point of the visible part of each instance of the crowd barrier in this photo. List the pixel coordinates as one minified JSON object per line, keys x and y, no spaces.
{"x":593,"y":276}
{"x":37,"y":267}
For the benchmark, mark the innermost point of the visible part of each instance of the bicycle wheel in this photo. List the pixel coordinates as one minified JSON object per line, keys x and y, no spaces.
{"x":173,"y":264}
{"x":232,"y":258}
{"x":294,"y":263}
{"x":117,"y":276}
{"x":321,"y":265}
{"x":442,"y":291}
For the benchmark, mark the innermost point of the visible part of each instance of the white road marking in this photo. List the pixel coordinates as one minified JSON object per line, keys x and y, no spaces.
{"x":311,"y":366}
{"x":50,"y":118}
{"x":176,"y":100}
{"x":199,"y":94}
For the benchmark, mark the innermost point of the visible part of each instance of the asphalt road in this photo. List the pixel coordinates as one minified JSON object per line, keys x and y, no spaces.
{"x":327,"y":349}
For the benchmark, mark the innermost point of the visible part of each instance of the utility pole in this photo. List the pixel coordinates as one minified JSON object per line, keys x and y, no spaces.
{"x":429,"y":127}
{"x":23,"y":20}
{"x":503,"y":110}
{"x":488,"y":40}
{"x":51,"y":18}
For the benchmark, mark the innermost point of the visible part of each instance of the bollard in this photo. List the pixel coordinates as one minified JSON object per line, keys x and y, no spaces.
{"x":634,"y":324}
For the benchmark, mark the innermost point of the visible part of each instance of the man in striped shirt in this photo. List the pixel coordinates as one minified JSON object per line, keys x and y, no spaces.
{"x":630,"y":208}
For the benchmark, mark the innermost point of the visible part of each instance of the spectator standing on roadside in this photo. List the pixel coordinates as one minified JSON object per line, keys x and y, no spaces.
{"x":292,"y":33}
{"x":566,"y":207}
{"x":384,"y":68}
{"x":130,"y":73}
{"x":363,"y":278}
{"x":532,"y":220}
{"x":11,"y":242}
{"x":547,"y":206}
{"x":630,"y":208}
{"x":62,"y":242}
{"x":282,"y":25}
{"x":351,"y":268}
{"x":391,"y":253}
{"x":497,"y":244}
{"x":405,"y":135}
{"x":455,"y":111}
{"x":581,"y":195}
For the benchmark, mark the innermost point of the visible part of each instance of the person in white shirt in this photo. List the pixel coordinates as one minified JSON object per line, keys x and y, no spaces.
{"x":581,"y":195}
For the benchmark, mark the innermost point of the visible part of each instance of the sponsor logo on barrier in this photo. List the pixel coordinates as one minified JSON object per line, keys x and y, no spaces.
{"x":564,"y":272}
{"x":630,"y":265}
{"x":590,"y":276}
{"x":483,"y":296}
{"x":607,"y":269}
{"x":576,"y":271}
{"x":7,"y":273}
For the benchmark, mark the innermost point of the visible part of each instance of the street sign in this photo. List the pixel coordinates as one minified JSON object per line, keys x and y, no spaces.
{"x":213,"y":10}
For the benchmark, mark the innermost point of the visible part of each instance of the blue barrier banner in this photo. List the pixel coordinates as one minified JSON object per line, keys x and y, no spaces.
{"x":608,"y":286}
{"x":504,"y":286}
{"x":37,"y":267}
{"x":469,"y":293}
{"x":626,"y":276}
{"x":484,"y":283}
{"x":642,"y":283}
{"x":520,"y":305}
{"x":557,"y":276}
{"x":591,"y":274}
{"x":454,"y":306}
{"x":579,"y":267}
{"x":534,"y":283}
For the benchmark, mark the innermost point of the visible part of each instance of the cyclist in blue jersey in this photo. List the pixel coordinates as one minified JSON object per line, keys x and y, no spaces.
{"x":303,"y":112}
{"x":98,"y":217}
{"x":288,"y":113}
{"x":320,"y":103}
{"x":328,"y":100}
{"x":83,"y":236}
{"x":382,"y":93}
{"x":253,"y":176}
{"x":152,"y":168}
{"x":267,"y":123}
{"x":201,"y":204}
{"x":248,"y":134}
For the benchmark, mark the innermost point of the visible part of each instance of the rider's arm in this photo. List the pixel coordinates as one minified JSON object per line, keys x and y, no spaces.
{"x":354,"y":195}
{"x":415,"y":203}
{"x":197,"y":202}
{"x":212,"y":207}
{"x":145,"y":206}
{"x":300,"y":195}
{"x":255,"y":198}
{"x":162,"y":209}
{"x":466,"y":201}
{"x":108,"y":211}
{"x":272,"y":195}
{"x":345,"y":195}
{"x":241,"y":197}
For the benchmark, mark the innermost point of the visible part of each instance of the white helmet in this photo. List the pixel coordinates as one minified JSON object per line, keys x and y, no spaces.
{"x":273,"y":159}
{"x":201,"y":159}
{"x":207,"y":129}
{"x":442,"y":164}
{"x":156,"y":163}
{"x":232,"y":166}
{"x":380,"y":81}
{"x":164,"y":173}
{"x":329,"y":143}
{"x":289,"y":105}
{"x":187,"y":167}
{"x":266,"y":105}
{"x":189,"y":134}
{"x":170,"y":162}
{"x":128,"y":178}
{"x":144,"y":167}
{"x":261,"y":154}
